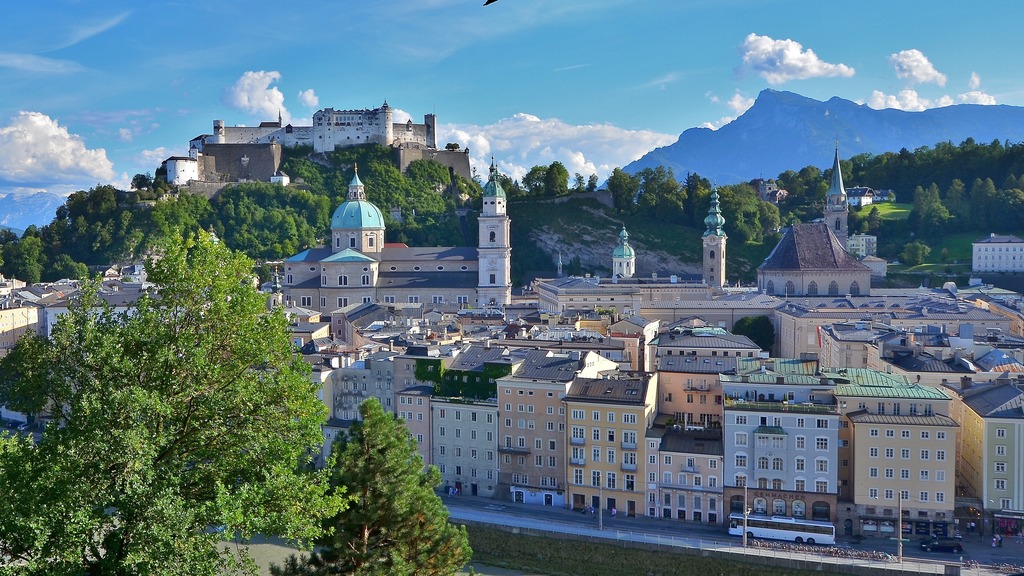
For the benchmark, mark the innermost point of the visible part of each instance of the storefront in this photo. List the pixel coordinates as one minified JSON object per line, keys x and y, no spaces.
{"x":1008,"y":522}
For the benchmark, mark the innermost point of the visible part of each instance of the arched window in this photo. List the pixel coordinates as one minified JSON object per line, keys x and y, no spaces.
{"x":366,"y":279}
{"x":342,"y":280}
{"x":790,"y":288}
{"x":762,"y":463}
{"x":812,"y":288}
{"x":777,"y":464}
{"x":769,"y":288}
{"x":492,"y":237}
{"x":779,"y":507}
{"x":839,"y":225}
{"x":352,"y":242}
{"x":854,"y":289}
{"x":760,"y":506}
{"x":799,"y":509}
{"x":369,"y":241}
{"x":821,"y":511}
{"x":711,"y":254}
{"x":833,"y":289}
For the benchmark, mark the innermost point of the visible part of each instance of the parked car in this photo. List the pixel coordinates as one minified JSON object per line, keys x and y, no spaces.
{"x":942,"y":545}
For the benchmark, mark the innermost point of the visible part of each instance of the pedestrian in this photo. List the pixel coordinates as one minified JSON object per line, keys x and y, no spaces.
{"x":993,"y":541}
{"x":999,"y":540}
{"x":613,"y":512}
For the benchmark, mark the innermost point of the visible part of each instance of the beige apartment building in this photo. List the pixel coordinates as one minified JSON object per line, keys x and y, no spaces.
{"x":902,"y":447}
{"x":531,"y":426}
{"x":689,"y":390}
{"x":608,"y":419}
{"x":15,"y":322}
{"x":991,"y":452}
{"x":684,"y":474}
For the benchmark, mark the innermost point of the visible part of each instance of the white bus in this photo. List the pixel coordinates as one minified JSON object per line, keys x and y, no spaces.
{"x":783,"y":528}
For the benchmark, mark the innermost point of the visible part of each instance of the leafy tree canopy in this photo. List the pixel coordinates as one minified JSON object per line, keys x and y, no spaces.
{"x":188,"y":411}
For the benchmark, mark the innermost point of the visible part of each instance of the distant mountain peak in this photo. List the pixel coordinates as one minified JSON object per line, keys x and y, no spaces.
{"x":787,"y":131}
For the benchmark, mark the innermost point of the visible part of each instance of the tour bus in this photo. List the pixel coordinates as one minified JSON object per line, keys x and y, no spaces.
{"x":783,"y":528}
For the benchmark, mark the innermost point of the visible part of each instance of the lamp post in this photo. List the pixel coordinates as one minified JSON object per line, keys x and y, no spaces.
{"x":746,"y":512}
{"x":600,"y":510}
{"x":899,"y":535}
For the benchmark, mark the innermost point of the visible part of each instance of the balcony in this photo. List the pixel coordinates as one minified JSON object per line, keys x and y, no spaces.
{"x":628,"y":445}
{"x":628,"y":467}
{"x":691,"y":469}
{"x":578,"y":461}
{"x":577,"y":441}
{"x":513,"y":450}
{"x":783,"y":406}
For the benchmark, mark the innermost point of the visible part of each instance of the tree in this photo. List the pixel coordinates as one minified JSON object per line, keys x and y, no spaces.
{"x":757,"y":328}
{"x":452,"y":146}
{"x":624,"y":187}
{"x":397,"y":524}
{"x":592,"y":183}
{"x":142,"y":181}
{"x":190,"y":410}
{"x":556,"y":180}
{"x":915,"y":253}
{"x":534,"y":181}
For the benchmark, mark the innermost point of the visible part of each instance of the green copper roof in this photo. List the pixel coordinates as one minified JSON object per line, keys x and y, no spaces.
{"x":714,"y":221}
{"x":348,"y":255}
{"x":623,"y":250}
{"x":357,"y":214}
{"x":835,"y":187}
{"x":493,"y":189}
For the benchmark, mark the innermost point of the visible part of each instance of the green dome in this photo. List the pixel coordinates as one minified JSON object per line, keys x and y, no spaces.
{"x":493,"y":189}
{"x":623,"y":250}
{"x":357,"y":214}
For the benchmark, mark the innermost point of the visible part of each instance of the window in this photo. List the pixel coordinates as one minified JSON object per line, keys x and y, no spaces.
{"x":800,"y":464}
{"x":923,"y":476}
{"x":1000,"y":450}
{"x":1000,"y":484}
{"x":1001,"y":467}
{"x":741,"y":461}
{"x":904,"y":453}
{"x":741,"y":419}
{"x":940,"y":455}
{"x":801,"y":442}
{"x":1000,"y":432}
{"x":821,"y":465}
{"x":872,"y":492}
{"x":873,"y":432}
{"x":923,"y":496}
{"x":873,"y":452}
{"x":821,"y":486}
{"x":596,"y":416}
{"x":890,"y":452}
{"x":890,"y":473}
{"x":925,"y":435}
{"x":821,"y":443}
{"x":940,"y":475}
{"x":905,"y":434}
{"x":577,"y":414}
{"x":822,"y":423}
{"x":597,"y":434}
{"x":873,"y":472}
{"x":924,"y":454}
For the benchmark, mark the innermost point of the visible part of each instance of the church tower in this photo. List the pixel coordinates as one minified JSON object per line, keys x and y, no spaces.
{"x":623,"y":258}
{"x":495,"y":254}
{"x":714,"y":245}
{"x":837,"y":210}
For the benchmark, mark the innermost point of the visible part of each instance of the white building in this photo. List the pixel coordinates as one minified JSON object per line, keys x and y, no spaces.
{"x":998,"y":253}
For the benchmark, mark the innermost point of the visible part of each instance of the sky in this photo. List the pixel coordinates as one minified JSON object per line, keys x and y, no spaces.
{"x":95,"y":91}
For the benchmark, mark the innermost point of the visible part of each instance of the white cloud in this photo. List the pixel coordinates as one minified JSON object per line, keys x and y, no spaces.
{"x":976,"y":97}
{"x":398,"y":116}
{"x":908,"y":100}
{"x":524,"y":140}
{"x":778,"y":61}
{"x":154,"y":157}
{"x":975,"y":81}
{"x":254,"y":94}
{"x":661,"y":82}
{"x":914,"y":66}
{"x":33,"y":63}
{"x":124,"y":134}
{"x":36,"y":152}
{"x":308,"y":98}
{"x":737,"y":103}
{"x":86,"y":30}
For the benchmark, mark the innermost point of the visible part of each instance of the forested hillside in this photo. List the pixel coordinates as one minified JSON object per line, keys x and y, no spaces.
{"x":971,"y":188}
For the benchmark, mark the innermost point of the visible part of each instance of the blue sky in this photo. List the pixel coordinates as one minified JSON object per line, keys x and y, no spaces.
{"x":95,"y":91}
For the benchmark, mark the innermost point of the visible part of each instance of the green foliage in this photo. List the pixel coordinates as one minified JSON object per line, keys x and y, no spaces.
{"x":189,"y":411}
{"x":269,"y":221}
{"x":429,"y":370}
{"x":915,"y":253}
{"x":757,"y":328}
{"x":396,"y":525}
{"x":472,"y":385}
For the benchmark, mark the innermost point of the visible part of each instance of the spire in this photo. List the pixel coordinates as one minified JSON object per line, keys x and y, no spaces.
{"x":835,"y":188}
{"x":356,"y":190}
{"x":493,"y":188}
{"x":714,"y":221}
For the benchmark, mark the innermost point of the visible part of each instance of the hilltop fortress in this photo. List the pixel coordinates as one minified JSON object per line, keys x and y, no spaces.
{"x":253,"y":153}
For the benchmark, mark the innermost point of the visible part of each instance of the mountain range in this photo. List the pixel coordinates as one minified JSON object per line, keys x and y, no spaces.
{"x":786,"y":131}
{"x":19,"y":211}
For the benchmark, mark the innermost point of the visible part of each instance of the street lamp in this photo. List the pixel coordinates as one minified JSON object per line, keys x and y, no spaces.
{"x":899,"y":535}
{"x":746,"y":512}
{"x":600,"y":510}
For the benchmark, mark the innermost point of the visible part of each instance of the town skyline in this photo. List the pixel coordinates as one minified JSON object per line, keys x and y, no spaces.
{"x":95,"y":98}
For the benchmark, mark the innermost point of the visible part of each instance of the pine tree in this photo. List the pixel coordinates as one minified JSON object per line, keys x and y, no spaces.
{"x":396,"y":524}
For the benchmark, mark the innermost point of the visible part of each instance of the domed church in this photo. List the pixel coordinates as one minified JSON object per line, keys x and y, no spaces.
{"x":359,"y":267}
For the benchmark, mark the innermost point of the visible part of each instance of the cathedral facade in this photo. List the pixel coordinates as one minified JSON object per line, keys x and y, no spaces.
{"x":359,"y":267}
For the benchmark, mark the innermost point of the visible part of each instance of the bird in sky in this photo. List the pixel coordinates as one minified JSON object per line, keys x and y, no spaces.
{"x":486,"y":2}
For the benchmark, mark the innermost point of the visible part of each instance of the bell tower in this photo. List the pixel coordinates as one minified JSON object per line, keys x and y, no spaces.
{"x":494,"y":287}
{"x":714,"y":245}
{"x":837,"y":209}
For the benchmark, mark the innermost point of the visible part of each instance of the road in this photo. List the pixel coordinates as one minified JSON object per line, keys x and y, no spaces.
{"x":667,"y":532}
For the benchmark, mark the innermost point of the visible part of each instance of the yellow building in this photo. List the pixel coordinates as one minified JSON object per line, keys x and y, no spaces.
{"x":608,"y":420}
{"x":902,"y":458}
